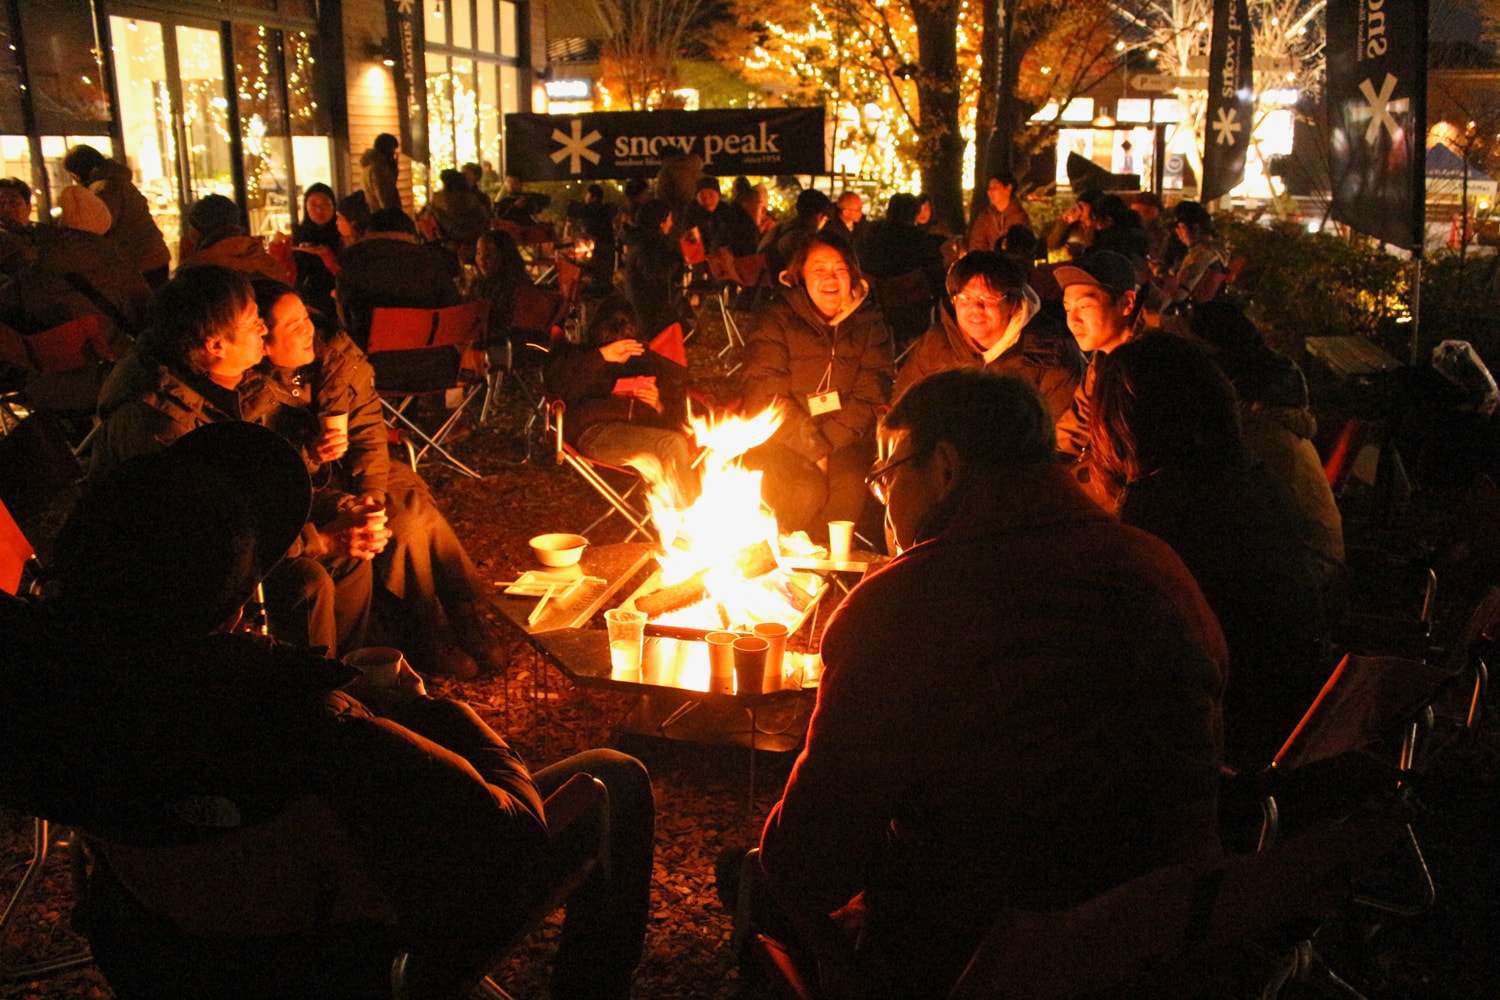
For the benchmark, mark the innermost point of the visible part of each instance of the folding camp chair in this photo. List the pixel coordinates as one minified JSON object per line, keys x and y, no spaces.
{"x":17,"y":561}
{"x":72,"y":347}
{"x":426,"y":352}
{"x":628,"y":499}
{"x":734,"y":275}
{"x":537,"y":316}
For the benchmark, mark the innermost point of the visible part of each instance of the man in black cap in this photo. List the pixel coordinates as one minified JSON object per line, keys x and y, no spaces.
{"x":136,"y":711}
{"x":1100,"y":295}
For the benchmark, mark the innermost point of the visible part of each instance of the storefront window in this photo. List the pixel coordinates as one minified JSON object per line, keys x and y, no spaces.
{"x":470,"y":81}
{"x":263,"y":127}
{"x":64,"y":67}
{"x":205,"y":113}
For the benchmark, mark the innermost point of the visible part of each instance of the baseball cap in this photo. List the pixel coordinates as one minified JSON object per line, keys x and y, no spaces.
{"x":1104,"y":268}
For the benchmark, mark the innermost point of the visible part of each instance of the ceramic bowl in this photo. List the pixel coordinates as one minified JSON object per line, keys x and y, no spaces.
{"x":558,"y":549}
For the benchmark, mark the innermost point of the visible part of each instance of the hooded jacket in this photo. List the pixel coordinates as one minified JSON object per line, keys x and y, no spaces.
{"x":79,"y":274}
{"x":794,"y":352}
{"x":1037,"y":350}
{"x":134,"y":231}
{"x":232,"y":247}
{"x":380,"y":181}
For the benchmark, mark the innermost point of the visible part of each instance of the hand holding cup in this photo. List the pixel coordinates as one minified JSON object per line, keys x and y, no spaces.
{"x":333,"y":443}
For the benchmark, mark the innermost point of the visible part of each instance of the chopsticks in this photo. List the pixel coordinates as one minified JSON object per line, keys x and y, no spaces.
{"x":536,"y":612}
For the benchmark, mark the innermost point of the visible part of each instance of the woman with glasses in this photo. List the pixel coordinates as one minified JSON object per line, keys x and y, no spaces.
{"x":823,"y":351}
{"x":997,"y":323}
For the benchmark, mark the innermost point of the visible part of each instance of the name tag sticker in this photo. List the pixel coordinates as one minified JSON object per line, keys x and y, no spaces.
{"x":819,"y":403}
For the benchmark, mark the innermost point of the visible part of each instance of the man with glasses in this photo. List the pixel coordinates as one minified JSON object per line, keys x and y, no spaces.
{"x":1020,"y":711}
{"x":997,"y":323}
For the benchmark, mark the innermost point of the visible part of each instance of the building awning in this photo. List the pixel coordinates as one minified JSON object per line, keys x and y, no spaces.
{"x":576,"y":19}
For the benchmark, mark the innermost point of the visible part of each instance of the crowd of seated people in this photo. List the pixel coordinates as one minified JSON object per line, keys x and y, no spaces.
{"x":1141,"y":502}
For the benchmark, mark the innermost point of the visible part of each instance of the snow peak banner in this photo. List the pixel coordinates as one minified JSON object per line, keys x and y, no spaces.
{"x":605,"y":144}
{"x":1377,"y":99}
{"x":1231,"y":99}
{"x":407,"y":42}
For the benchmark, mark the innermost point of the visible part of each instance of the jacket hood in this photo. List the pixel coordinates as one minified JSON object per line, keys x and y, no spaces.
{"x":369,"y":157}
{"x":110,"y":170}
{"x":796,"y":297}
{"x":1031,"y":304}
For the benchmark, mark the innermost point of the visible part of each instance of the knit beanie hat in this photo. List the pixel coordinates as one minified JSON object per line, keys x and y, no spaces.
{"x":82,"y":209}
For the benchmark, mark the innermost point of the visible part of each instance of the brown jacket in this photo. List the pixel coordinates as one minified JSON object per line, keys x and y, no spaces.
{"x":1043,"y":354}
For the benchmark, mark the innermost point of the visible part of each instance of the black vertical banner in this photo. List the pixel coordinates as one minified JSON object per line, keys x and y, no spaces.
{"x":1231,"y":99}
{"x":1377,"y":102}
{"x":405,"y":39}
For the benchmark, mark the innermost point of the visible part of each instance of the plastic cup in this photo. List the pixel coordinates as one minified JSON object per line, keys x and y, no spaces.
{"x":750,"y":664}
{"x":336,"y":421}
{"x":378,"y":665}
{"x":627,"y":633}
{"x":775,"y":635}
{"x":721,"y":661}
{"x":840,"y":536}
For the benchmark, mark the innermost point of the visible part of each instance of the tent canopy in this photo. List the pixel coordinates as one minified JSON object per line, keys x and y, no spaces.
{"x":1445,"y":176}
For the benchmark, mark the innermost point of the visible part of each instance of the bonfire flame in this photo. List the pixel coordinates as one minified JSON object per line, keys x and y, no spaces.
{"x":710,"y":539}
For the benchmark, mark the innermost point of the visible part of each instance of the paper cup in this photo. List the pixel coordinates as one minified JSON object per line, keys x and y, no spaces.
{"x":775,"y":635}
{"x":840,"y":536}
{"x":336,"y":421}
{"x":378,"y":665}
{"x":750,"y":664}
{"x":721,"y":661}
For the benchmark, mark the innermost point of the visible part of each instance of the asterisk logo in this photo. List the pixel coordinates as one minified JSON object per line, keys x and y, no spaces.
{"x":1227,"y":126}
{"x":1382,"y":108}
{"x":404,"y":6}
{"x":575,"y":147}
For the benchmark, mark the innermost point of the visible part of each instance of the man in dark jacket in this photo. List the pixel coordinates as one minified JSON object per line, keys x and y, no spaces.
{"x":997,"y":323}
{"x":389,"y":267}
{"x":136,"y":712}
{"x":1020,"y":711}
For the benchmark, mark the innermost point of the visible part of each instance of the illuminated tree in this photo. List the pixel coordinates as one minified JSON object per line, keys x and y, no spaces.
{"x":646,"y":36}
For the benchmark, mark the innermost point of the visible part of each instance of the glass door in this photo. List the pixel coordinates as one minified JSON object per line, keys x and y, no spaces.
{"x":205,"y":113}
{"x":147,"y":120}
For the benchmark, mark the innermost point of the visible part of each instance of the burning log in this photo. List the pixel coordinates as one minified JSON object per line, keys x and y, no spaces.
{"x":751,"y":562}
{"x":678,"y":595}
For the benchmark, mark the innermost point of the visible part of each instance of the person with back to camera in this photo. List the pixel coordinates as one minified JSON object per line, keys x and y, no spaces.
{"x":1019,"y":711}
{"x":997,"y":324}
{"x":653,"y":271}
{"x":381,"y":169}
{"x":139,"y":712}
{"x":431,"y":584}
{"x":133,"y":229}
{"x":1166,"y":440}
{"x":823,"y":351}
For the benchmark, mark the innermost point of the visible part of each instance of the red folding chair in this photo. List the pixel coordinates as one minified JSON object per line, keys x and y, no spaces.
{"x":628,"y":498}
{"x":73,"y":346}
{"x":16,"y":558}
{"x":425,"y":352}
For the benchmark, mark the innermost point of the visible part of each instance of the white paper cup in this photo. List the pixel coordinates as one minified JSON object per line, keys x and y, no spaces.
{"x":775,"y":635}
{"x":750,"y":664}
{"x":378,"y":665}
{"x":840,"y":536}
{"x":338,"y":421}
{"x":721,"y":661}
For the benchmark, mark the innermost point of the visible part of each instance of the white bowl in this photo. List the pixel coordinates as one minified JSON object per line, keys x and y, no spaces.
{"x":558,"y":549}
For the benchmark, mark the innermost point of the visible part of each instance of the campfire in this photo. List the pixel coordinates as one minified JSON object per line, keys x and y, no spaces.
{"x":721,"y":559}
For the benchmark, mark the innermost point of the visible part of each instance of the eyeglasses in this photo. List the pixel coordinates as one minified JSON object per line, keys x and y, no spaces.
{"x":879,"y":478}
{"x":963,"y":300}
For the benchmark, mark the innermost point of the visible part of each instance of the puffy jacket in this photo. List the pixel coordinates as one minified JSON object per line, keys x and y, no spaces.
{"x":133,"y":231}
{"x":79,"y":274}
{"x":791,"y":351}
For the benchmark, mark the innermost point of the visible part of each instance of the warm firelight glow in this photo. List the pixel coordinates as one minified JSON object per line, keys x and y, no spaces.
{"x":726,"y":521}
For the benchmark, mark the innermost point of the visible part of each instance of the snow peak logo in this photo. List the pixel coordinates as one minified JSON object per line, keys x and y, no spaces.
{"x":632,"y":149}
{"x":1373,"y":39}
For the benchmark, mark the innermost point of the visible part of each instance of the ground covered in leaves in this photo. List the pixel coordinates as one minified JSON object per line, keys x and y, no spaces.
{"x":1446,"y":954}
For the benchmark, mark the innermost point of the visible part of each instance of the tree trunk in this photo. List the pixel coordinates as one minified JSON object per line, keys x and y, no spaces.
{"x":940,"y":149}
{"x":990,"y":50}
{"x":1011,"y":112}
